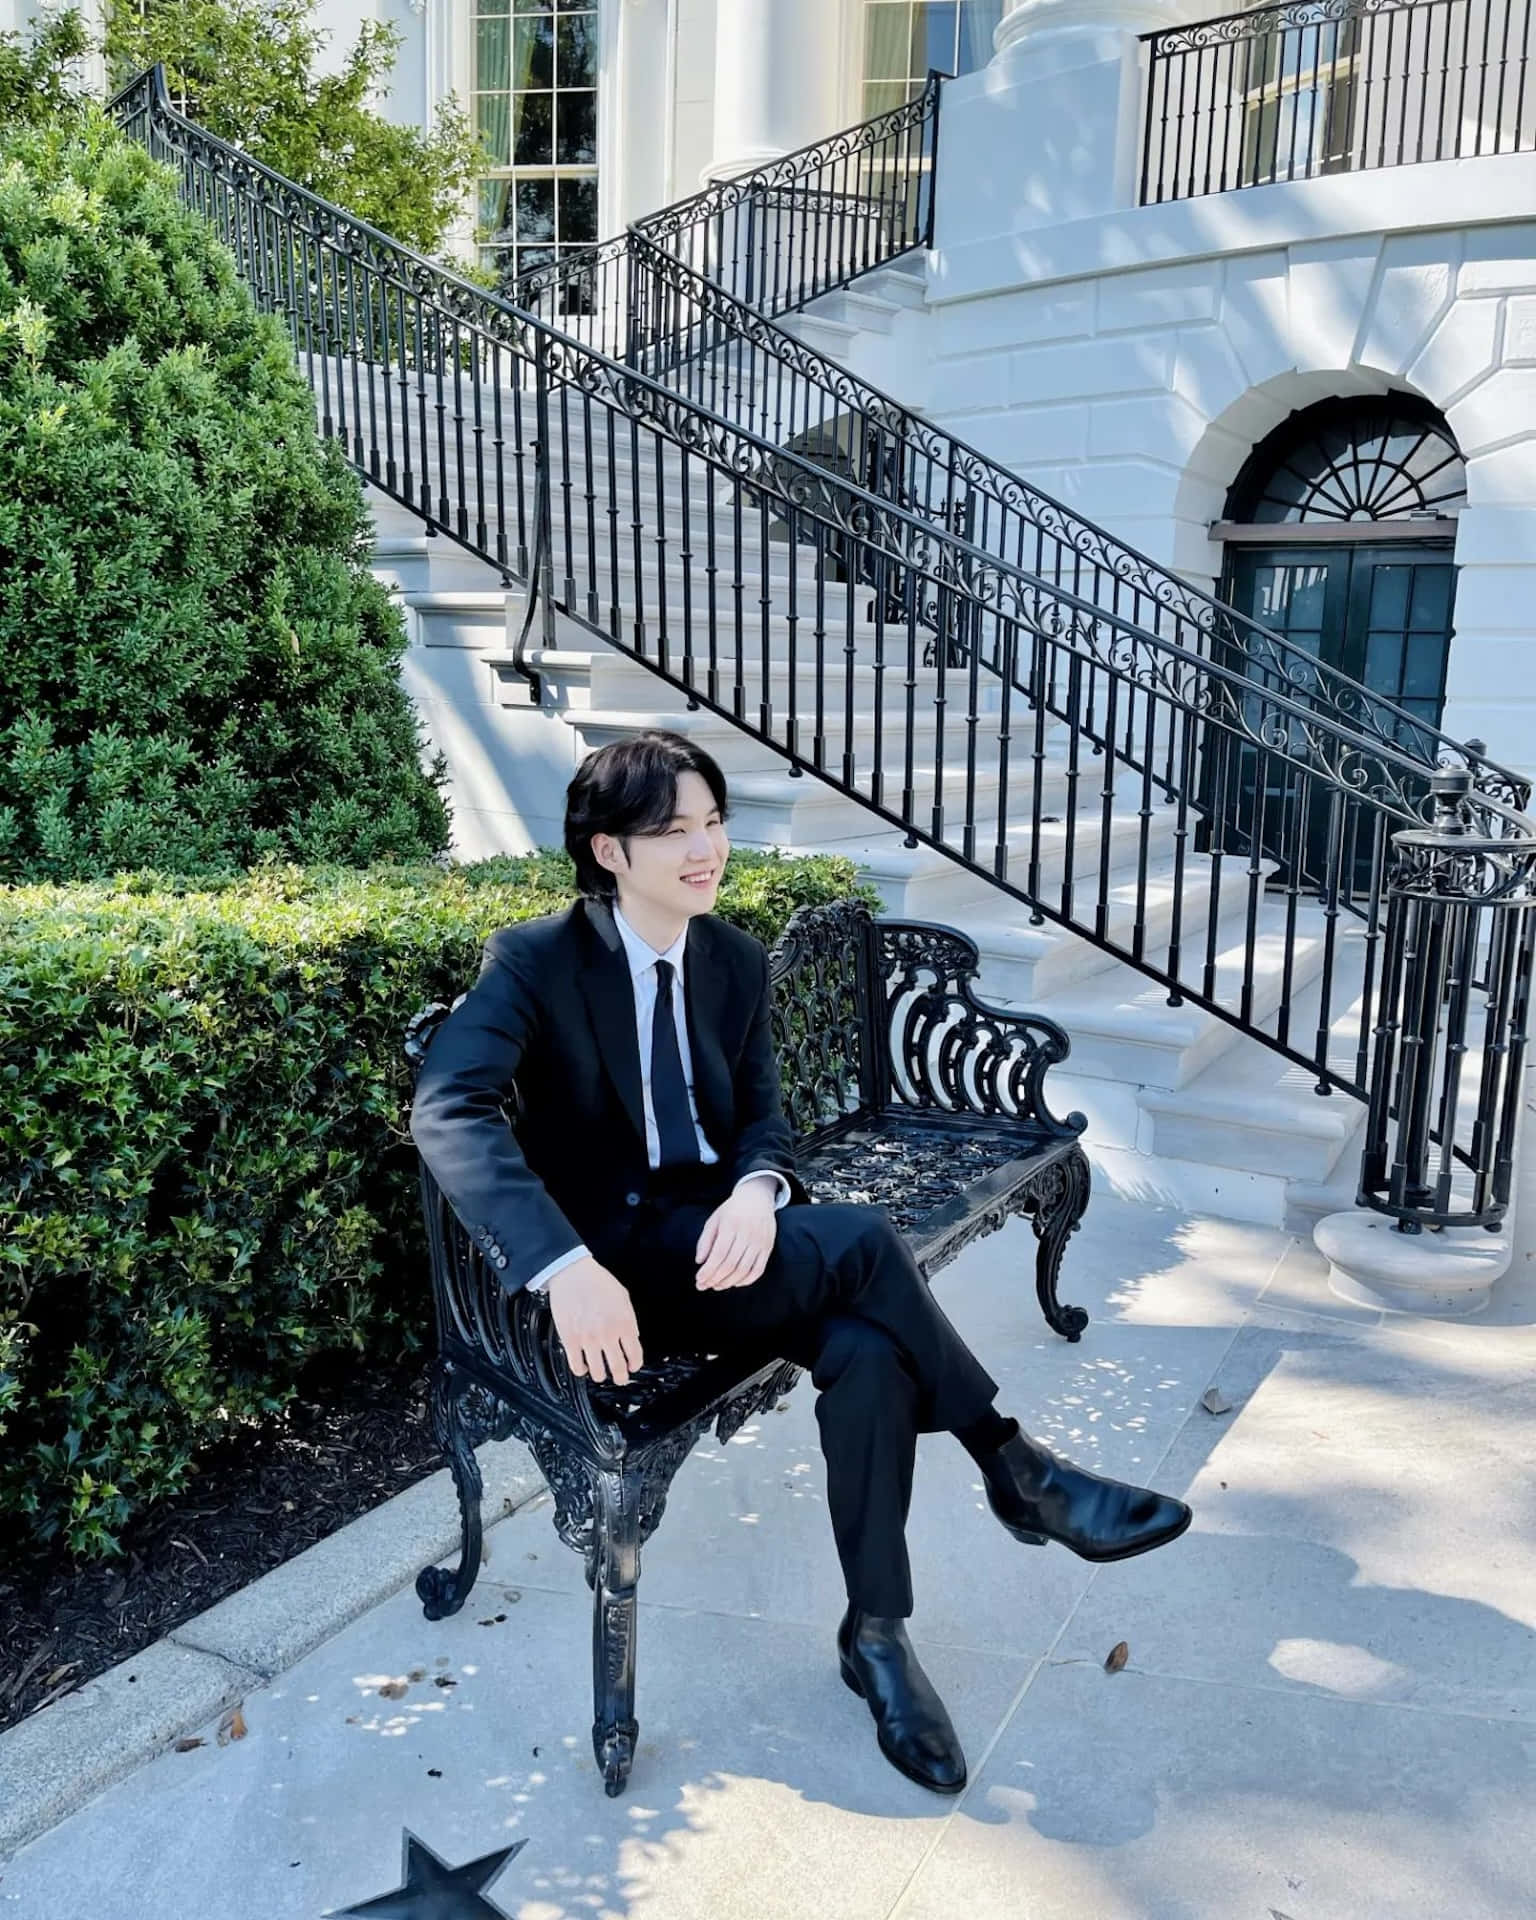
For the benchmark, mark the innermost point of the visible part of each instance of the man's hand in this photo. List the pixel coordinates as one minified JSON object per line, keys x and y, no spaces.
{"x":738,"y":1237}
{"x":596,"y":1322}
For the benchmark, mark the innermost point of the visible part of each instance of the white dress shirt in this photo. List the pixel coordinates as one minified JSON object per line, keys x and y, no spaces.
{"x":642,"y":975}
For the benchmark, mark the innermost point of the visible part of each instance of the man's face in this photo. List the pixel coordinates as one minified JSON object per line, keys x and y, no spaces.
{"x":675,"y":873}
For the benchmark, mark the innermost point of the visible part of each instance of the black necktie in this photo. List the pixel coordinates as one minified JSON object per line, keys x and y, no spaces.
{"x":669,"y":1090}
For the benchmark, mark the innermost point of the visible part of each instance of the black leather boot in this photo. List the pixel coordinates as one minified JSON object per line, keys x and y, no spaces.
{"x":1039,"y":1497}
{"x":911,"y":1724}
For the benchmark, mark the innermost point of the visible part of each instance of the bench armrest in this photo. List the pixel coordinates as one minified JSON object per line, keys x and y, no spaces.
{"x":951,"y":1051}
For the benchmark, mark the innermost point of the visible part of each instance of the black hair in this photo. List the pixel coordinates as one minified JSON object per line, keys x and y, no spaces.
{"x":630,"y":787}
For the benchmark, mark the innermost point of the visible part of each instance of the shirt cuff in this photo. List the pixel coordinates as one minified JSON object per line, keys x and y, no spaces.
{"x":781,"y":1197}
{"x":542,"y":1278}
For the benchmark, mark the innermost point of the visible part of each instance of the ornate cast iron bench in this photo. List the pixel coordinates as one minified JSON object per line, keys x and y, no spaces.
{"x":904,"y":1090}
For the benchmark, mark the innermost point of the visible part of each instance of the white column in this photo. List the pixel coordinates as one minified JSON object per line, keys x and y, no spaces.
{"x":776,"y":74}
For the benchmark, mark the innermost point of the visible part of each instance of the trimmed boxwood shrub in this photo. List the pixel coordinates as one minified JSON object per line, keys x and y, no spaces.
{"x":197,"y":669}
{"x":208,"y":1175}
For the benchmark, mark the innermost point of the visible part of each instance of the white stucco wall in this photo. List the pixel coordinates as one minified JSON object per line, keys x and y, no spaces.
{"x":409,"y":99}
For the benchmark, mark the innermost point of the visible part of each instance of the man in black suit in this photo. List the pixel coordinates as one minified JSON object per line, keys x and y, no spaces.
{"x":651,"y":1188}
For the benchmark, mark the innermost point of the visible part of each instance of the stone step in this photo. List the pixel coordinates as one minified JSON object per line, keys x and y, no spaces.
{"x":1024,"y":963}
{"x":1254,"y":1110}
{"x":1124,"y":1030}
{"x":606,"y":677}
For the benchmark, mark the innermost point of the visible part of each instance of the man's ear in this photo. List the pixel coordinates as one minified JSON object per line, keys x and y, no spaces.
{"x":608,"y":853}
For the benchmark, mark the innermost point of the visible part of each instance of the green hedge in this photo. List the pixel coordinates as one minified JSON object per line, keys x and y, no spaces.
{"x":198,"y":670}
{"x":209,"y":1179}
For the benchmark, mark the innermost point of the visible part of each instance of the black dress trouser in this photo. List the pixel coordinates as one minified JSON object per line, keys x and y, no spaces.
{"x":842,"y":1296}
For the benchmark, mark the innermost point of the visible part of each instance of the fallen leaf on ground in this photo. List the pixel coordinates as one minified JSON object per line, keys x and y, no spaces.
{"x":494,"y":1621}
{"x":445,"y":1680}
{"x":1119,"y":1653}
{"x":59,"y":1672}
{"x":392,"y":1690}
{"x":417,"y":1673}
{"x":232,"y":1727}
{"x":434,"y":1773}
{"x":186,"y":1746}
{"x":1215,"y":1401}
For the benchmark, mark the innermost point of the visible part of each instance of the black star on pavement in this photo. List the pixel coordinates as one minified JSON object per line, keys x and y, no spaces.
{"x":433,"y":1890}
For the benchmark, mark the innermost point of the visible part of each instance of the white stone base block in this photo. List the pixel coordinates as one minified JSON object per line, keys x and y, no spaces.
{"x":1371,"y":1263}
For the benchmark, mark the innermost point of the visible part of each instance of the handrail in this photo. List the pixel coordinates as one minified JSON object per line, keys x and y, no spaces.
{"x":429,"y":382}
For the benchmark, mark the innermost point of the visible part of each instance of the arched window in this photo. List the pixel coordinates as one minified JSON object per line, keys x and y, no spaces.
{"x":1392,"y":458}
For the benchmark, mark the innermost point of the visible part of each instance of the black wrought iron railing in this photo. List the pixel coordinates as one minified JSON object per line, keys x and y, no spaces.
{"x":779,"y":236}
{"x":1334,"y":86}
{"x":1460,"y":947}
{"x":1177,"y":806}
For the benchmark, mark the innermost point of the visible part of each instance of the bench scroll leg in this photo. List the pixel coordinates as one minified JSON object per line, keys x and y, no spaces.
{"x":616,"y":1571}
{"x":1058,"y":1210}
{"x":443,"y":1590}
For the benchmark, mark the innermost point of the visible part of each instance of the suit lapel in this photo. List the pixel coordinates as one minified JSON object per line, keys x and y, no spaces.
{"x":706,"y":987}
{"x":610,"y":997}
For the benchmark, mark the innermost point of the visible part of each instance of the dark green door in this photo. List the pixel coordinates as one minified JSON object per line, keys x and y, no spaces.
{"x":1380,"y":613}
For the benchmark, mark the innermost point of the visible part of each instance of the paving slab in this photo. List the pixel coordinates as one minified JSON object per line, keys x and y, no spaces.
{"x":1365,"y":1528}
{"x":1133,"y":1796}
{"x":753,"y":1761}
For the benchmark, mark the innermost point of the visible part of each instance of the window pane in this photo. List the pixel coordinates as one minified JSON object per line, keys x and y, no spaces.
{"x":978,"y":19}
{"x":492,"y":126}
{"x":530,"y":6}
{"x":531,"y":129}
{"x":578,"y":210}
{"x":933,"y":37}
{"x":492,"y":6}
{"x":492,"y":42}
{"x":1425,"y":667}
{"x":495,"y":197}
{"x":533,"y":52}
{"x":577,"y":129}
{"x":1384,"y":663}
{"x":577,"y":64}
{"x":883,"y":96}
{"x":536,"y":209}
{"x":530,"y":257}
{"x":887,"y":31}
{"x":1431,"y":599}
{"x":1389,"y":596}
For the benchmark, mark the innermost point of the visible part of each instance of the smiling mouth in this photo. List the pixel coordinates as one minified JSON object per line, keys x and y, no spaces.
{"x":698,"y":879}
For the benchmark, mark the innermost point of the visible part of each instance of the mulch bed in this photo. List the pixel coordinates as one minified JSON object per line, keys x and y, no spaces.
{"x":346,"y":1444}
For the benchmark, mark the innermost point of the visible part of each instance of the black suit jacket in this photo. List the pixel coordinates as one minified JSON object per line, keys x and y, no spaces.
{"x":554,"y":1007}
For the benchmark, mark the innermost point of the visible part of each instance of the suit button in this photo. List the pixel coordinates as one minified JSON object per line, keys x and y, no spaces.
{"x":631,"y":1199}
{"x":501,"y":1259}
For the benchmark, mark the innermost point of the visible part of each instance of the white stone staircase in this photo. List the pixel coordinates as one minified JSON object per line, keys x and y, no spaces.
{"x":1181,"y":1106}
